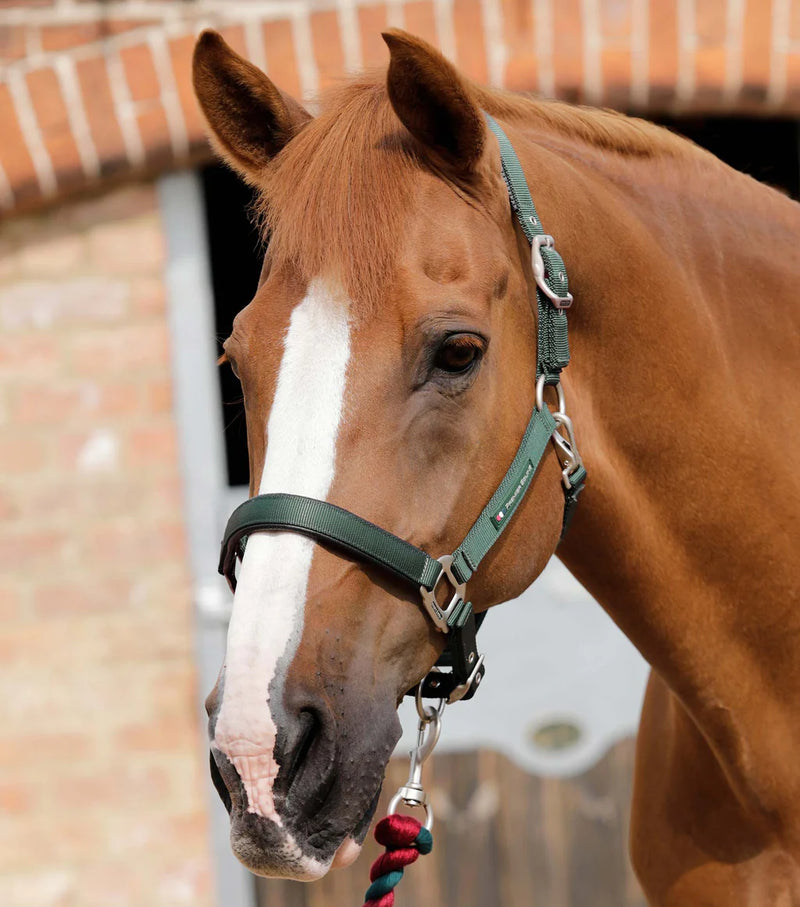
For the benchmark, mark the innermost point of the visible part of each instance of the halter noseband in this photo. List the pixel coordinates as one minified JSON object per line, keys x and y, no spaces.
{"x":367,"y":542}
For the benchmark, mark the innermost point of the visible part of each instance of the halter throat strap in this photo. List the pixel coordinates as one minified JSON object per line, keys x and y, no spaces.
{"x":365,"y":541}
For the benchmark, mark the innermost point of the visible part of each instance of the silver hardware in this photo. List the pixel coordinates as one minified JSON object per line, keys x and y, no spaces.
{"x":437,"y":613}
{"x":562,"y":400}
{"x":537,"y":263}
{"x":426,"y":712}
{"x":412,"y":793}
{"x":463,"y":688}
{"x":566,"y":447}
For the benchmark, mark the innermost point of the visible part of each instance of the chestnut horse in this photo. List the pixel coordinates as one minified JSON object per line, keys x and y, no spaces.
{"x":388,"y":365}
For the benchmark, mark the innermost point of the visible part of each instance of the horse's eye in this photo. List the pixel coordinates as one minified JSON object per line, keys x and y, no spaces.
{"x":458,"y":354}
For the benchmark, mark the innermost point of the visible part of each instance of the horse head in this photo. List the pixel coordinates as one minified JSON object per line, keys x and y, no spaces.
{"x":388,"y":365}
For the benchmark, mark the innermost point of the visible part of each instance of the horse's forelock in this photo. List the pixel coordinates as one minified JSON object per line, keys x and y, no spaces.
{"x":335,"y":200}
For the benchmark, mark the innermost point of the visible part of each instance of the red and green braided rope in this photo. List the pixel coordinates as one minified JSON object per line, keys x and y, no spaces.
{"x":404,"y":839}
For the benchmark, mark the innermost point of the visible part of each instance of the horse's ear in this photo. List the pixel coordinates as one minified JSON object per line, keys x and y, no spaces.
{"x":433,"y":102}
{"x":250,"y":119}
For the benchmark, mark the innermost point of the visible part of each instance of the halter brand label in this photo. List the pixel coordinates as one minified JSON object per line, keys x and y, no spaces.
{"x":512,"y":502}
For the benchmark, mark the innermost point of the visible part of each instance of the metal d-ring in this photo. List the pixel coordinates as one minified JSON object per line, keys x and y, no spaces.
{"x":541,"y":383}
{"x":428,"y":713}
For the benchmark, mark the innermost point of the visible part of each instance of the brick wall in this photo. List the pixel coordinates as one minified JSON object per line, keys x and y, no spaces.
{"x":102,"y":778}
{"x":94,"y":90}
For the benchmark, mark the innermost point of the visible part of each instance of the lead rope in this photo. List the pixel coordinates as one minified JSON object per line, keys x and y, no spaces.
{"x":404,"y":837}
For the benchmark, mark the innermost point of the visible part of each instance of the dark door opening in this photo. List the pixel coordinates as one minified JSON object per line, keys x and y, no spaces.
{"x":236,"y":254}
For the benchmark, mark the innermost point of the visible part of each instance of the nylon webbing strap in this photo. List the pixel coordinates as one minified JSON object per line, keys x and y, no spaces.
{"x":553,"y":344}
{"x":496,"y":515}
{"x":325,"y":521}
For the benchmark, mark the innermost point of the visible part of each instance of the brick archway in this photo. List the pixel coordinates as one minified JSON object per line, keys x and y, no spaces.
{"x":94,"y":92}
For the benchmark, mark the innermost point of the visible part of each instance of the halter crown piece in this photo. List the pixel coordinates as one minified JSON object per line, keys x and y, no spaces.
{"x":367,"y":542}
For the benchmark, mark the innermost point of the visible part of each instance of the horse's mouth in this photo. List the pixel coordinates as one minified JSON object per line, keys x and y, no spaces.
{"x":298,"y":848}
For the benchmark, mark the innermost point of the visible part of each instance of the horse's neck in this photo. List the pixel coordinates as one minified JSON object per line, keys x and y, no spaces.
{"x":684,"y":342}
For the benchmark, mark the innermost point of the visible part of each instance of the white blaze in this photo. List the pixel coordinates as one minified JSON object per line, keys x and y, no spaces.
{"x":271,"y":591}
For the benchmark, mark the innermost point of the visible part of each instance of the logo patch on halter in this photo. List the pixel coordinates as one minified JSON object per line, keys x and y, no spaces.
{"x":501,"y":516}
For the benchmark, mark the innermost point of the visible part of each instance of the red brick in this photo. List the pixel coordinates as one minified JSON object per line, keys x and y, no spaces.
{"x":616,"y":69}
{"x":282,"y":65}
{"x":21,"y":454}
{"x":123,"y":786}
{"x":29,"y":354}
{"x":710,"y":64}
{"x":420,"y":20}
{"x":102,"y":115}
{"x":616,"y":21}
{"x":152,"y":542}
{"x":711,"y":22}
{"x":793,"y":82}
{"x":43,"y":748}
{"x":154,"y":130}
{"x":13,"y":42}
{"x":51,"y":112}
{"x":46,"y":404}
{"x":757,"y":47}
{"x":180,"y":51}
{"x":14,"y":156}
{"x":140,"y":73}
{"x":371,"y":22}
{"x":148,"y":296}
{"x":119,"y":399}
{"x":93,"y":595}
{"x":568,"y":48}
{"x":328,"y":51}
{"x":234,"y":35}
{"x":10,"y":602}
{"x":158,"y":736}
{"x":470,"y":39}
{"x":15,"y":799}
{"x":158,"y":397}
{"x":519,"y":35}
{"x":153,"y":445}
{"x":34,"y":548}
{"x":64,"y":37}
{"x":663,"y":60}
{"x":123,"y":349}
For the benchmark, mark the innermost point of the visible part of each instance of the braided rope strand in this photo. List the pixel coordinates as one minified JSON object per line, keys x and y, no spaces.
{"x":404,"y":839}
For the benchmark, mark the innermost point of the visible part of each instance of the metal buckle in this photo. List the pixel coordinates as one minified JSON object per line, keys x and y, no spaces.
{"x":566,"y":447}
{"x":437,"y":613}
{"x":537,"y":263}
{"x":473,"y":680}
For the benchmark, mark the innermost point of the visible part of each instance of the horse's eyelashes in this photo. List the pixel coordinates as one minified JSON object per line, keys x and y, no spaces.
{"x":458,"y":354}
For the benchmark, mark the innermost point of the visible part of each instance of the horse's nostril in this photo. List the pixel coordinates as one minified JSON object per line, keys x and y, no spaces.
{"x":216,"y":778}
{"x":308,"y":726}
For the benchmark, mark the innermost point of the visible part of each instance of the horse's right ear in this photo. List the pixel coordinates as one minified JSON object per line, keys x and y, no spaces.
{"x":250,"y":119}
{"x":434,"y":103}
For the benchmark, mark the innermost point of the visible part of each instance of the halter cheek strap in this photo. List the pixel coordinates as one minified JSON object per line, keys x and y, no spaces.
{"x":365,"y":541}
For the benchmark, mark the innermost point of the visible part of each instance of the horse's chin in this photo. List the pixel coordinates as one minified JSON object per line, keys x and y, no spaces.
{"x":270,"y":850}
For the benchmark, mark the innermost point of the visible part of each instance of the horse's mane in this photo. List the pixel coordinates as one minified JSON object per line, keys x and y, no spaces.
{"x":329,"y":185}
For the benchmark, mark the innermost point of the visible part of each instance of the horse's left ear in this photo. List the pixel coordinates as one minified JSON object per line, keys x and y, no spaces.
{"x":434,"y":103}
{"x":250,"y":118}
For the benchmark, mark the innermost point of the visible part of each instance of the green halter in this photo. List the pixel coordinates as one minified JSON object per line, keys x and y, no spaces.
{"x":368,"y":542}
